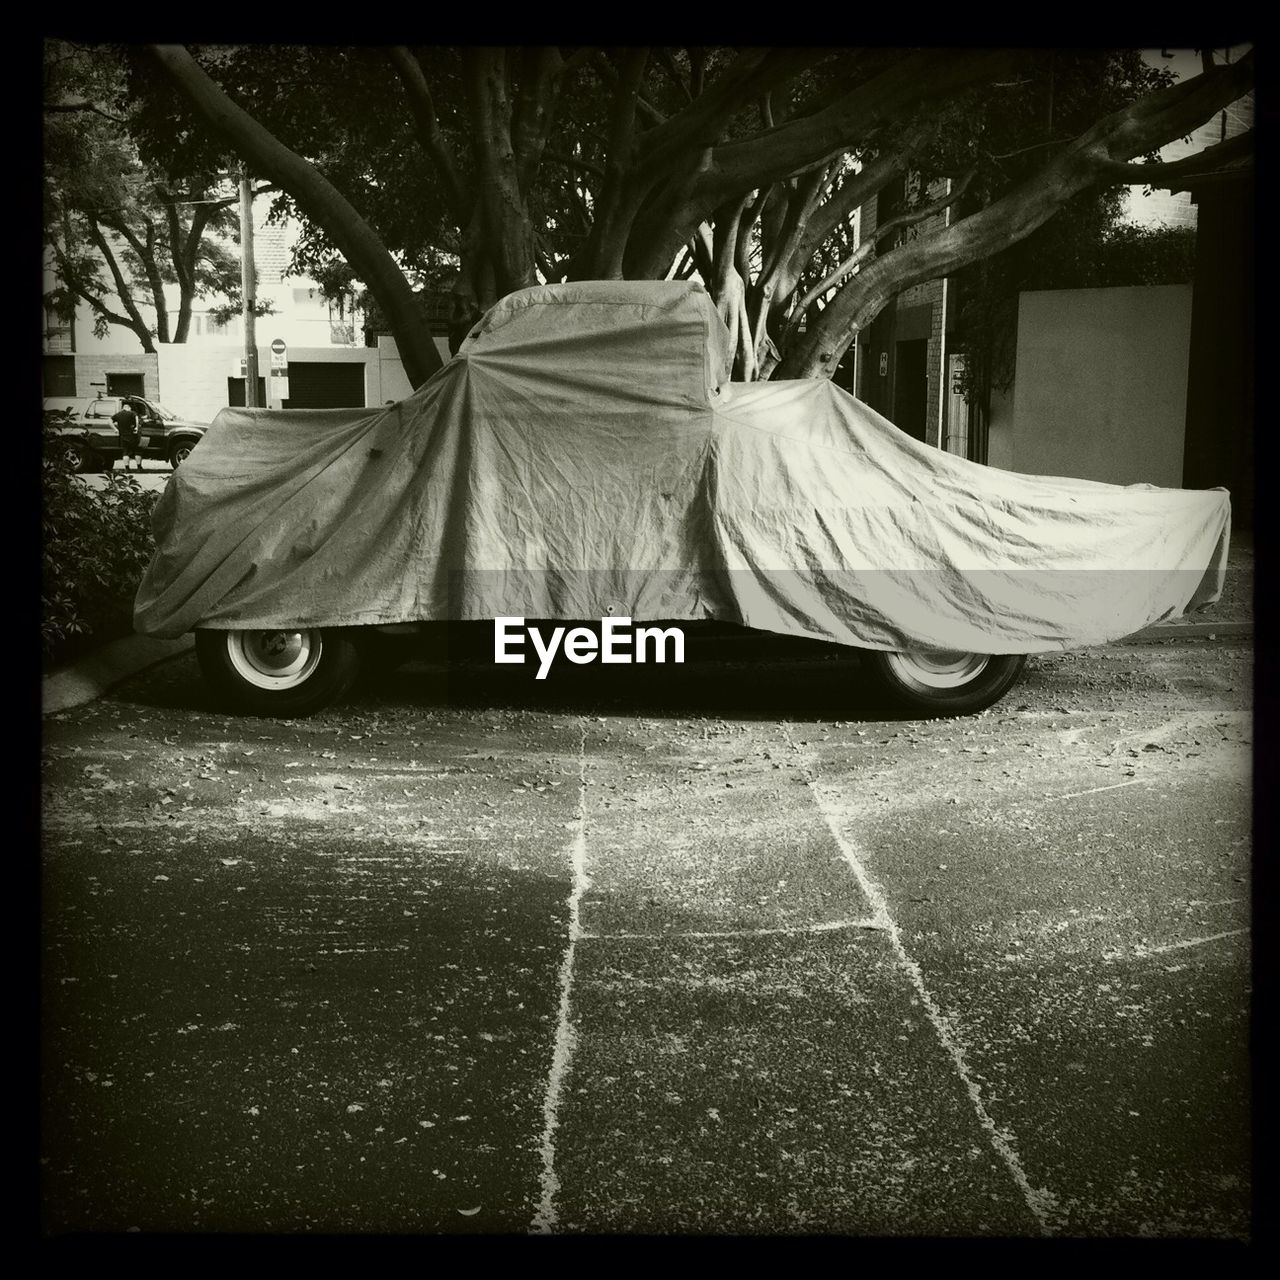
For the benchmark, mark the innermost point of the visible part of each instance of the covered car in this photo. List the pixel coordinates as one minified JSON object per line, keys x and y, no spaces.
{"x":585,"y":455}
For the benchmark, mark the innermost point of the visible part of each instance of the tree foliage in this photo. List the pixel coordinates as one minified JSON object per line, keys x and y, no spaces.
{"x":116,"y":232}
{"x":495,"y":169}
{"x":95,"y":547}
{"x":1087,"y":247}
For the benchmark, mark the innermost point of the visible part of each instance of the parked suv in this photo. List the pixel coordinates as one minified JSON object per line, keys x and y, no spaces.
{"x":88,"y":441}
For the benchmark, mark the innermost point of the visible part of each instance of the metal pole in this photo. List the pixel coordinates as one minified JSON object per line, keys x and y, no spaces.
{"x":943,"y":382}
{"x":248,"y":294}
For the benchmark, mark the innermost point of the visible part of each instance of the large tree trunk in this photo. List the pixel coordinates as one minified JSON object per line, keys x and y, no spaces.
{"x":500,"y":206}
{"x":354,"y":237}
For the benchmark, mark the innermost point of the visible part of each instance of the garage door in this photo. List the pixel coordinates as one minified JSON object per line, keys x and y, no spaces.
{"x":316,"y":385}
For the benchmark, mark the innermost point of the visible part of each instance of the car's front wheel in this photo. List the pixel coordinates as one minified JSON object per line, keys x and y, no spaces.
{"x":180,"y":452}
{"x":282,"y":672}
{"x":77,"y":457}
{"x":942,"y":682}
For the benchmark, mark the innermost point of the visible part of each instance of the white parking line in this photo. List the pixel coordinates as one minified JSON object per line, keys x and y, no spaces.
{"x":1038,"y":1201}
{"x":544,"y":1220}
{"x":1092,"y":791}
{"x":792,"y":930}
{"x":1189,"y":942}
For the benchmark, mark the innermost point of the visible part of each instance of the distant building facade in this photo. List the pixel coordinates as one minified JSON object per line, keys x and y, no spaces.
{"x":334,"y":359}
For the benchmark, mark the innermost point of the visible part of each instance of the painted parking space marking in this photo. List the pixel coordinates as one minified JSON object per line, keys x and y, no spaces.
{"x":544,"y":1221}
{"x":824,"y":926}
{"x":1039,"y":1201}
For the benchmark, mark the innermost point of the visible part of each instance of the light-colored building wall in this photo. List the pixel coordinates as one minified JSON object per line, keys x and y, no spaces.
{"x":1101,"y":389}
{"x":193,"y":378}
{"x":301,"y":315}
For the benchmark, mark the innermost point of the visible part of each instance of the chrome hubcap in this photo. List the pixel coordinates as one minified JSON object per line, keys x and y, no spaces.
{"x":938,"y":668}
{"x":274,"y":659}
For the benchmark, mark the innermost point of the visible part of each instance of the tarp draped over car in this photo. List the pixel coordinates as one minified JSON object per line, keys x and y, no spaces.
{"x":585,"y":454}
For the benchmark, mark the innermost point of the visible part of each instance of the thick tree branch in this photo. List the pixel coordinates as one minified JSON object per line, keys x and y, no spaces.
{"x":350,"y":233}
{"x":135,"y":320}
{"x":808,"y":140}
{"x":700,"y":246}
{"x":65,"y":108}
{"x":913,"y":216}
{"x":574,"y":162}
{"x":100,"y":308}
{"x":867,"y":247}
{"x":856,"y":190}
{"x":145,"y":251}
{"x":750,"y":75}
{"x":815,"y":139}
{"x":1089,"y":161}
{"x":1178,"y":174}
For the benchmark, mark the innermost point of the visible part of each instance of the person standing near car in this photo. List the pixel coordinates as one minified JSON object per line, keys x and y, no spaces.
{"x":126,"y":422}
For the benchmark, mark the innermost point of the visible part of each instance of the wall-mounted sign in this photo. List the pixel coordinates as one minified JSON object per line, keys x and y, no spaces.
{"x":884,"y":364}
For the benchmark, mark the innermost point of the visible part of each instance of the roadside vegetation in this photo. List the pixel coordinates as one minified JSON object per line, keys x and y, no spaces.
{"x":96,"y":545}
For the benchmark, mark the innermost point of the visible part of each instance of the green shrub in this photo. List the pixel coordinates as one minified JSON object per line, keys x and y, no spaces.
{"x":97,"y":544}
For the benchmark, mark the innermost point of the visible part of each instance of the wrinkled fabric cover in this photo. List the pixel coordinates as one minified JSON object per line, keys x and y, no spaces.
{"x":585,"y":454}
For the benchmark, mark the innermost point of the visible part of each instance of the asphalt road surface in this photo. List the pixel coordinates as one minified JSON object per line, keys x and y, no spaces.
{"x":730,"y":952}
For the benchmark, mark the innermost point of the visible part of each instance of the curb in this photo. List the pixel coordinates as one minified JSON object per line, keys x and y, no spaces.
{"x":92,"y":676}
{"x":1191,"y":631}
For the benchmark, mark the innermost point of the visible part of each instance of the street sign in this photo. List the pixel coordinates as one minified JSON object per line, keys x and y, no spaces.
{"x":279,"y":356}
{"x":277,"y":346}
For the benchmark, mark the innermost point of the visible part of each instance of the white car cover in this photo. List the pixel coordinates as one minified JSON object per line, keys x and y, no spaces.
{"x":585,"y":454}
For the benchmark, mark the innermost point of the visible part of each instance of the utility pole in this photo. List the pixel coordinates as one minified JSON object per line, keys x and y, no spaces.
{"x":248,"y":293}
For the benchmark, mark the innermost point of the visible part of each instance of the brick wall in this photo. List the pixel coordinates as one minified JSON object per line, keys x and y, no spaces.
{"x":92,"y":370}
{"x":1175,"y":209}
{"x":933,"y":364}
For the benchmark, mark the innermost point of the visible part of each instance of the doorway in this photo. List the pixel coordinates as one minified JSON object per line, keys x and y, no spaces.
{"x":236,"y":389}
{"x":124,"y":384}
{"x":911,"y":387}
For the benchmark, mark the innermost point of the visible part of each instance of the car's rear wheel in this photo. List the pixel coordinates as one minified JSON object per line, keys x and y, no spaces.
{"x":180,"y":452}
{"x":943,"y":682}
{"x":283,"y":672}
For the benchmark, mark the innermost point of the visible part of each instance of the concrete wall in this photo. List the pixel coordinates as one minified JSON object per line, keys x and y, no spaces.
{"x":1101,"y":386}
{"x":193,"y":377}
